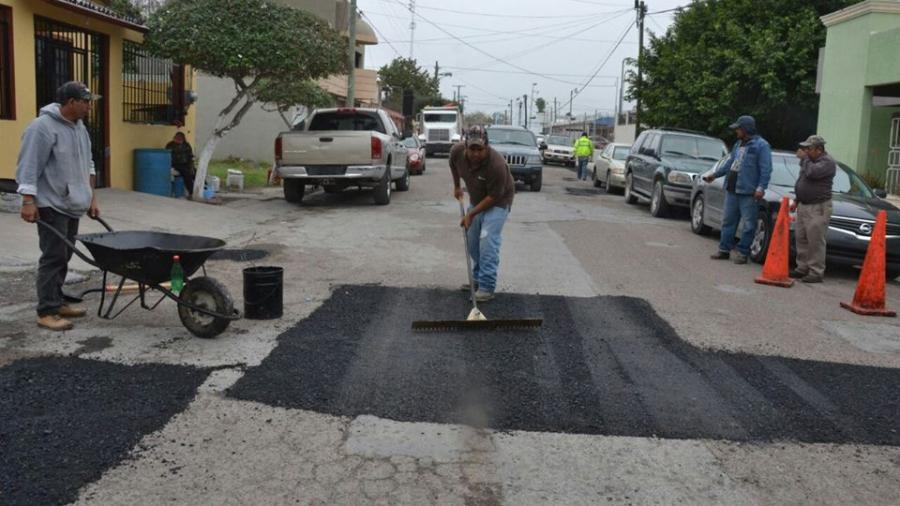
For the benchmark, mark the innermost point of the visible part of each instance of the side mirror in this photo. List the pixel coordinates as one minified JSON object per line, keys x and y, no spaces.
{"x":543,"y":146}
{"x":881,"y":193}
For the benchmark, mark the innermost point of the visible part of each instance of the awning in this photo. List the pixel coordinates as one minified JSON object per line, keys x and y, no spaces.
{"x":101,"y":12}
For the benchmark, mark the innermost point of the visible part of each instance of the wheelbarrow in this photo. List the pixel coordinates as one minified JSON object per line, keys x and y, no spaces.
{"x":204,"y":305}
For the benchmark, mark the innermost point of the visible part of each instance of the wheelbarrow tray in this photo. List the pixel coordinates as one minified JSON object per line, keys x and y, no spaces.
{"x":145,"y":256}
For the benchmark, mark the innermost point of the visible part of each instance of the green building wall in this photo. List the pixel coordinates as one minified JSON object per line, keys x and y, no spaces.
{"x":859,"y":53}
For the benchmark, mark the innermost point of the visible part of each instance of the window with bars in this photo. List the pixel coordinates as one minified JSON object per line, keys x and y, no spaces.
{"x":7,"y":97}
{"x":153,"y":88}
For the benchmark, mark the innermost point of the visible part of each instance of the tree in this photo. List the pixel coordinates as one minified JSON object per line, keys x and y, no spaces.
{"x":478,"y":118}
{"x":723,"y":58}
{"x":281,"y":96}
{"x":260,"y":46}
{"x":404,"y":73}
{"x":540,"y":104}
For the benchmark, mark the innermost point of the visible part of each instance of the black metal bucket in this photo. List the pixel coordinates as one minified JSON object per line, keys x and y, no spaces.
{"x":263,"y":292}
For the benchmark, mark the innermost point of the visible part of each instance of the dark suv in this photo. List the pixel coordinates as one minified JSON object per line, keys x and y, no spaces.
{"x":663,"y":164}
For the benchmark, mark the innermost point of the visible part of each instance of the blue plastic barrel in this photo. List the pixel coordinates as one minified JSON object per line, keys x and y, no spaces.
{"x":153,"y":171}
{"x":178,"y":187}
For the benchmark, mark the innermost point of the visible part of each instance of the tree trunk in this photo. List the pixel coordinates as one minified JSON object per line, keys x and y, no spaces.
{"x":223,"y":126}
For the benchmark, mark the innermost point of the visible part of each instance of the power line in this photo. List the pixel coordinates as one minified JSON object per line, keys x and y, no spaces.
{"x":381,"y":35}
{"x":478,"y":49}
{"x":608,"y":56}
{"x":501,"y":15}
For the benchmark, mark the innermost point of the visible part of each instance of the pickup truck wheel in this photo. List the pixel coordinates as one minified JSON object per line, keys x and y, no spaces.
{"x":659,"y":208}
{"x":536,"y":183}
{"x":293,"y":190}
{"x":403,"y":182}
{"x":382,"y":193}
{"x":630,"y":197}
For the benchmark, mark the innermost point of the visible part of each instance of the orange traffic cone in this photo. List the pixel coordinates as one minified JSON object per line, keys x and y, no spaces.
{"x":777,"y":266}
{"x":869,"y":298}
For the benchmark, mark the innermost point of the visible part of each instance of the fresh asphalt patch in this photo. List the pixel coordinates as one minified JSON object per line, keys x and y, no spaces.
{"x":583,"y":192}
{"x":65,"y":420}
{"x":601,"y":365}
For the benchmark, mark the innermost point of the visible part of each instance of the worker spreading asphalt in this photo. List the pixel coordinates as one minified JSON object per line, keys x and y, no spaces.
{"x":602,"y":365}
{"x":65,"y":420}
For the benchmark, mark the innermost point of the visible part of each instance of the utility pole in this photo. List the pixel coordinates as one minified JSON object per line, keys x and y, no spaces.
{"x":641,"y":13}
{"x":555,"y":111}
{"x":510,"y":112}
{"x":525,"y":100}
{"x":621,"y":93}
{"x":458,"y":96}
{"x":412,"y":28}
{"x":437,"y":70}
{"x":351,"y":74}
{"x":571,"y":99}
{"x":519,"y":103}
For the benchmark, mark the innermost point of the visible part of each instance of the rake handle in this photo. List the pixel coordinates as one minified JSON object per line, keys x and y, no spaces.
{"x":462,"y":214}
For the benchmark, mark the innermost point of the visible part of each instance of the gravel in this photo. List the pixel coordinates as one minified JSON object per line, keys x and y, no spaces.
{"x":66,"y":420}
{"x":602,"y":365}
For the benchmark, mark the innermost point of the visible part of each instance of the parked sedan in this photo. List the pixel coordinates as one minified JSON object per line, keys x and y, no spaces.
{"x":850,"y":229}
{"x":415,"y":161}
{"x":608,"y":167}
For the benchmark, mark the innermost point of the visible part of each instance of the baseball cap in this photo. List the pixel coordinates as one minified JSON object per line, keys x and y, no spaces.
{"x":813,"y":140}
{"x":76,"y":90}
{"x":476,"y":136}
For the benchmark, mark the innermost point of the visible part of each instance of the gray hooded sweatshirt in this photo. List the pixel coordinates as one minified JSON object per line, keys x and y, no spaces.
{"x":55,"y":163}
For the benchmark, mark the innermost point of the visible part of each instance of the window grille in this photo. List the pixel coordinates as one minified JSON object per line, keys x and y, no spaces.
{"x":153,"y":88}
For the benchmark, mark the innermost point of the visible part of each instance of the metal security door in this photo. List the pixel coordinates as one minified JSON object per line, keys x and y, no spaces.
{"x":67,"y":53}
{"x":892,"y":181}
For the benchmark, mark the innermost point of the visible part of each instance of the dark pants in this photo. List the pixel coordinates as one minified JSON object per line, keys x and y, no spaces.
{"x":54,"y":262}
{"x":187,"y":173}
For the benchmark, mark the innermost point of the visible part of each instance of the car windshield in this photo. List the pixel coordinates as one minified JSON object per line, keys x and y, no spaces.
{"x":434,"y":117}
{"x":410,"y":142}
{"x":694,"y":147}
{"x":621,"y":152}
{"x":504,"y":136}
{"x":786,"y":170}
{"x":559,"y":140}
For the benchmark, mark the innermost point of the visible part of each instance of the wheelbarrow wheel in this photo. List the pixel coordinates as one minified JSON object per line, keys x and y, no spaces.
{"x":209,"y":294}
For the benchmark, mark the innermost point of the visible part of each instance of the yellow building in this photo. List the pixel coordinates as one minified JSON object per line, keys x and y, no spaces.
{"x":44,"y":43}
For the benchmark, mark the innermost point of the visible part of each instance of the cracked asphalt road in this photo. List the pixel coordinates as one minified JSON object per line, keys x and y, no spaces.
{"x":734,"y":393}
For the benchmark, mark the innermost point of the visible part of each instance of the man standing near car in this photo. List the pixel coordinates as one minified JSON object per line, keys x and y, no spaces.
{"x":748,"y":170}
{"x":584,"y":150}
{"x":813,"y":207}
{"x":491,"y":190}
{"x":56,"y":179}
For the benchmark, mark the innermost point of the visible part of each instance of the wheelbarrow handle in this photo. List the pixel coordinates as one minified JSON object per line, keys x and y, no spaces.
{"x":70,"y":244}
{"x":102,"y":222}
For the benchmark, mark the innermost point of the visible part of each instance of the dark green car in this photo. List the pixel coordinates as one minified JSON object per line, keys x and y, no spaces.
{"x":663,"y":164}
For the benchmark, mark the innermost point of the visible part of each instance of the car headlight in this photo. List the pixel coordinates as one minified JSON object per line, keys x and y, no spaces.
{"x":414,"y":157}
{"x":679,"y":177}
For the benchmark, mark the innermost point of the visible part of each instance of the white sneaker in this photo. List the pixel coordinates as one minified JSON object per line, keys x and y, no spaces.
{"x":481,"y":296}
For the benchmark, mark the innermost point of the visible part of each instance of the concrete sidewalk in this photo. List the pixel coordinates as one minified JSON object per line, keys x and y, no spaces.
{"x":125,"y":210}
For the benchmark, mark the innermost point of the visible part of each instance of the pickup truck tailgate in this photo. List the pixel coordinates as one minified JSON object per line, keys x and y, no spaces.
{"x":324,"y":148}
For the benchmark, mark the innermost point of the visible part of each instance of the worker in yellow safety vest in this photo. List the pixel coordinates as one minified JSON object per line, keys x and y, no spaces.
{"x":584,"y":150}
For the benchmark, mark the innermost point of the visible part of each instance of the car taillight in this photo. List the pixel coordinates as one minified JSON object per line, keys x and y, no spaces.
{"x":278,"y":149}
{"x":376,"y":148}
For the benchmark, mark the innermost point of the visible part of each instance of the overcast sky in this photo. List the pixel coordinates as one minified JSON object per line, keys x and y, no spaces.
{"x":557,"y":44}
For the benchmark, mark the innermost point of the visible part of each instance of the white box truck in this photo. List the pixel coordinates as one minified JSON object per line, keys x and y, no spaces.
{"x":441,"y":128}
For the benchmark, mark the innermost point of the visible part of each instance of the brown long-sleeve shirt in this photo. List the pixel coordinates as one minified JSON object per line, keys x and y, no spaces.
{"x":815,"y":180}
{"x":489,"y":178}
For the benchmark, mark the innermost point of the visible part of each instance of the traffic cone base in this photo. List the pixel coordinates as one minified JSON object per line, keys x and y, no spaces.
{"x":784,"y":283}
{"x":777,"y":267}
{"x":868,"y":311}
{"x":869,"y":299}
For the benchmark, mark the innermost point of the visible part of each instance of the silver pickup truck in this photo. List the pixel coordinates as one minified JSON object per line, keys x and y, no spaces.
{"x":341,"y":148}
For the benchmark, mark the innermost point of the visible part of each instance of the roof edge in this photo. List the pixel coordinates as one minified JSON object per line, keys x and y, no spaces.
{"x":861,"y":9}
{"x":100,"y":12}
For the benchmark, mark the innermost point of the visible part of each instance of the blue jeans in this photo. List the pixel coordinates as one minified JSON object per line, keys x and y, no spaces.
{"x":484,"y":247}
{"x":738,"y":207}
{"x":582,"y":167}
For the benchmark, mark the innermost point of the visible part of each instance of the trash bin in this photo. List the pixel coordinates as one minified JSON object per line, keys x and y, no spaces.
{"x":152,"y":171}
{"x":263,"y":292}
